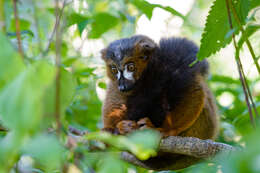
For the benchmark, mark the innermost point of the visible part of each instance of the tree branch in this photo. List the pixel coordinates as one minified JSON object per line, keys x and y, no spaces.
{"x":251,"y":50}
{"x":240,"y":69}
{"x":188,"y":146}
{"x":58,"y":64}
{"x":188,"y":149}
{"x":57,"y":23}
{"x":17,"y":28}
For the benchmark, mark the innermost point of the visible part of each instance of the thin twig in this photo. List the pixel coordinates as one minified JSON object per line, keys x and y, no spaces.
{"x":57,"y":23}
{"x":17,"y":28}
{"x":246,"y":38}
{"x":248,"y":90}
{"x":253,"y":56}
{"x":239,"y":65}
{"x":57,"y":63}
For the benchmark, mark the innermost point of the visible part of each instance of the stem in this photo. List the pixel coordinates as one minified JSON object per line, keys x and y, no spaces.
{"x":57,"y":63}
{"x":17,"y":27}
{"x":57,"y":22}
{"x":247,"y":41}
{"x":240,"y":68}
{"x":2,"y":16}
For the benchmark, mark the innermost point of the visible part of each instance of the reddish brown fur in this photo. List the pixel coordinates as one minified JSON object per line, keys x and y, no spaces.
{"x":194,"y":115}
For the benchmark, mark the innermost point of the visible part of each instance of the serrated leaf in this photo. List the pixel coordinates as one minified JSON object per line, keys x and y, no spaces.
{"x":147,"y":8}
{"x":21,"y":100}
{"x":217,"y":27}
{"x":102,"y":22}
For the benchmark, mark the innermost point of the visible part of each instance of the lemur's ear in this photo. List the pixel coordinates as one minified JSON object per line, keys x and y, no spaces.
{"x":145,"y":45}
{"x":103,"y":53}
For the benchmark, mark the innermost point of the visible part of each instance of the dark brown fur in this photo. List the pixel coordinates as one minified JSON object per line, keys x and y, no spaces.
{"x":168,"y":94}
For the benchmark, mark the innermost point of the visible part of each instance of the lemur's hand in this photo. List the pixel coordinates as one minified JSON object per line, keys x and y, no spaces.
{"x":126,"y":126}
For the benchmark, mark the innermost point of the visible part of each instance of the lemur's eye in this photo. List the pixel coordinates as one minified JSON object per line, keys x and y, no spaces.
{"x":131,"y":67}
{"x":114,"y":69}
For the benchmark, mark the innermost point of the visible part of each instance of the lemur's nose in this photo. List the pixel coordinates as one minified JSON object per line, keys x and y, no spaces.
{"x":121,"y":88}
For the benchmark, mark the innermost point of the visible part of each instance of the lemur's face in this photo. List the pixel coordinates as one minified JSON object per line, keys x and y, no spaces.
{"x":126,"y":59}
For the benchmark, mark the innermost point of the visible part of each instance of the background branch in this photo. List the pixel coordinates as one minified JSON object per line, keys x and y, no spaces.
{"x":57,"y":63}
{"x":57,"y":23}
{"x":17,"y":28}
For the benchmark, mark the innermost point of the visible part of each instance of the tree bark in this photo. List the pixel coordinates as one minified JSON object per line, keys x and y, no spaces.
{"x":189,"y":149}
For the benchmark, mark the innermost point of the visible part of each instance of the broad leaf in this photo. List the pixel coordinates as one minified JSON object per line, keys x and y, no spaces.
{"x":21,"y":100}
{"x":46,"y":149}
{"x":11,"y":63}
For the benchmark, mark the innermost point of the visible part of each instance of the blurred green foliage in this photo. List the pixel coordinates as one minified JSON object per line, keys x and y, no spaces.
{"x":28,"y":86}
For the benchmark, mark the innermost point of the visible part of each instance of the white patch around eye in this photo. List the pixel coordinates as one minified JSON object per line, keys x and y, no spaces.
{"x":128,"y":74}
{"x":118,"y":75}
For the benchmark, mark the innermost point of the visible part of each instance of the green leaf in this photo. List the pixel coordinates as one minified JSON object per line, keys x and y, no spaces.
{"x":224,"y":79}
{"x":46,"y":149}
{"x":21,"y":100}
{"x":111,"y":163}
{"x":11,"y":63}
{"x":102,"y":22}
{"x":24,"y":25}
{"x":147,"y":8}
{"x":147,"y":139}
{"x":142,"y":143}
{"x":67,"y":91}
{"x":217,"y":27}
{"x":78,"y":19}
{"x":254,"y":4}
{"x":102,"y":85}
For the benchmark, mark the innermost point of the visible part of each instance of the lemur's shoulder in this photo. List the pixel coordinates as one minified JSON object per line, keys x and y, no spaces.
{"x":180,"y":53}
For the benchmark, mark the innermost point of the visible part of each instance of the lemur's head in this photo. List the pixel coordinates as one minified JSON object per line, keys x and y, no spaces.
{"x":126,"y":59}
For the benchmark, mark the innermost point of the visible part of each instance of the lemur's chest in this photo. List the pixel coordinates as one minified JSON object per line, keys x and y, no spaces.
{"x":155,"y":108}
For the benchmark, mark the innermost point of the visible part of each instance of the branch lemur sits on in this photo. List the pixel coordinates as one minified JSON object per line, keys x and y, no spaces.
{"x":154,"y":86}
